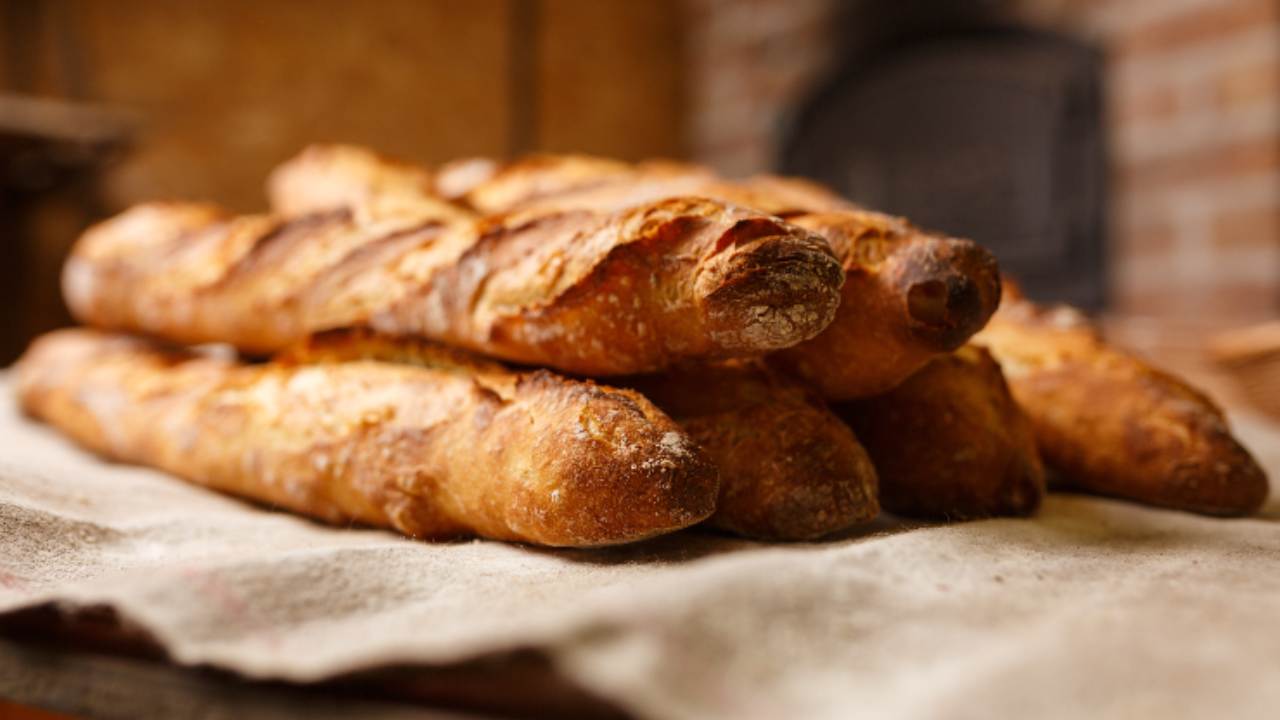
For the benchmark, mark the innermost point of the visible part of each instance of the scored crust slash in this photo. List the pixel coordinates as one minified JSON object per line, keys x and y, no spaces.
{"x":584,"y":292}
{"x":446,"y":448}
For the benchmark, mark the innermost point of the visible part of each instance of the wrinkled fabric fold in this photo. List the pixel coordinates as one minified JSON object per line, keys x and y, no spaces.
{"x":1094,"y":608}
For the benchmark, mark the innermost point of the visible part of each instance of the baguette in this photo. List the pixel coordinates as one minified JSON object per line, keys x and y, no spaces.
{"x":908,"y":295}
{"x":584,"y":292}
{"x":451,"y":448}
{"x":333,"y":176}
{"x":1111,"y":424}
{"x":552,"y":183}
{"x":777,"y":196}
{"x":323,"y":177}
{"x":537,"y":179}
{"x":949,"y":443}
{"x":789,"y":468}
{"x":454,"y":179}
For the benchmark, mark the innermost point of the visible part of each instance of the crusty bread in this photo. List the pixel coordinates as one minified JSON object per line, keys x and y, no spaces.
{"x":540,"y":182}
{"x":524,"y":183}
{"x":451,"y":447}
{"x":777,"y":196}
{"x":628,"y":292}
{"x":950,"y":443}
{"x":323,"y":177}
{"x":586,"y":292}
{"x":454,"y":179}
{"x":191,"y":273}
{"x":789,"y":468}
{"x":1111,"y":424}
{"x":908,"y":295}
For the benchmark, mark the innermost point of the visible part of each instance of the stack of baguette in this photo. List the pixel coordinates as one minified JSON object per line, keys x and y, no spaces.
{"x":573,"y":351}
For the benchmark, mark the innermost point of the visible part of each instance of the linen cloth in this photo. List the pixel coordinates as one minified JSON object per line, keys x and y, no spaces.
{"x":1094,"y":608}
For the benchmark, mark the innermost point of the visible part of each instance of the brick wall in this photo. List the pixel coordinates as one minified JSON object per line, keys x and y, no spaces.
{"x":749,"y":63}
{"x":1193,"y":92}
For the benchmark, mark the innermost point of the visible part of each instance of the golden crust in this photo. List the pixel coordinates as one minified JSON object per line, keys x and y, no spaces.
{"x":629,"y":292}
{"x":789,"y":468}
{"x":950,"y":443}
{"x":553,"y":183}
{"x":448,"y":448}
{"x":1111,"y":424}
{"x":521,"y":183}
{"x":770,"y":194}
{"x":332,"y":177}
{"x":908,"y":295}
{"x":454,"y":179}
{"x":584,"y":292}
{"x":212,"y":277}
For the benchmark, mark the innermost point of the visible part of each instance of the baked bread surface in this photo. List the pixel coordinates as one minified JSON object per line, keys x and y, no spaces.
{"x":447,"y":448}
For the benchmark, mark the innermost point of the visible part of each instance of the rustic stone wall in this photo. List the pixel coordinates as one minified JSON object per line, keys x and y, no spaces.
{"x":1193,"y":94}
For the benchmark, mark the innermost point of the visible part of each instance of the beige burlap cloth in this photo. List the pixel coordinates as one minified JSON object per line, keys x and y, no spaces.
{"x":1093,"y":609}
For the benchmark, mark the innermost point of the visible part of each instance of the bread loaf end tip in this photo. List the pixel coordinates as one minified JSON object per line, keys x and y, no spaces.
{"x":615,"y":470}
{"x":771,"y":291}
{"x":950,"y":291}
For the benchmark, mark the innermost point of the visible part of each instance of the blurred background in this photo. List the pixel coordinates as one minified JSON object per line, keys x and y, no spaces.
{"x":1123,"y":155}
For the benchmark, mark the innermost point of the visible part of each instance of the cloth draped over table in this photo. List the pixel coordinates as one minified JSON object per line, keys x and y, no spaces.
{"x":1094,"y":608}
